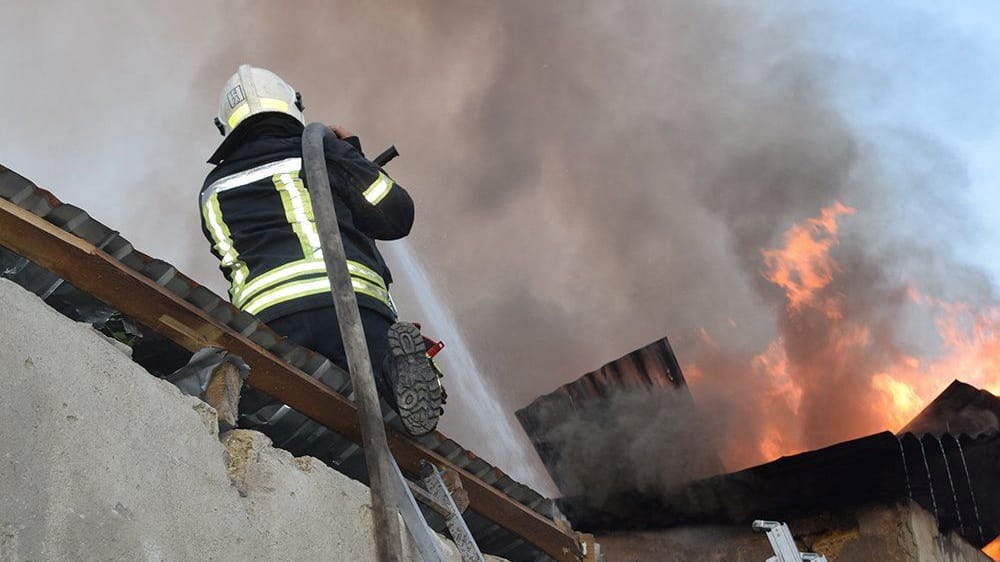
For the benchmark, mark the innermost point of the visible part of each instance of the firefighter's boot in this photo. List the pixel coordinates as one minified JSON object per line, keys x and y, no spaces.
{"x":414,"y":380}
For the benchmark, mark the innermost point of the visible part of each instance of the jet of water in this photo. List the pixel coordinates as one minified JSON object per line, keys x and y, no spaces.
{"x":968,"y":478}
{"x":954,"y":492}
{"x":481,"y":418}
{"x":930,"y":479}
{"x":906,"y":471}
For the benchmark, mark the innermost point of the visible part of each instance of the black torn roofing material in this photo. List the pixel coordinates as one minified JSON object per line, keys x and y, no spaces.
{"x":650,"y":369}
{"x":160,"y":356}
{"x":955,"y":478}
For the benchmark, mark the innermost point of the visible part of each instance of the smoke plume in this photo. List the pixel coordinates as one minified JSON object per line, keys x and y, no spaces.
{"x":615,"y":445}
{"x":589,"y":177}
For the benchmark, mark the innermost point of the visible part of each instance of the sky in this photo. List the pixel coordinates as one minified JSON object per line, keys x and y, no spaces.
{"x":930,"y":66}
{"x":505,"y":113}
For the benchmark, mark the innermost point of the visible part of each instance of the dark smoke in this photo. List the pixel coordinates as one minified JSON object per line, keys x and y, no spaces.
{"x":633,"y":442}
{"x":589,"y":176}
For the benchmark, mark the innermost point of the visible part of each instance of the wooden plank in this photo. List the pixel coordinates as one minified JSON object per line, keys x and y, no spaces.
{"x":101,"y":276}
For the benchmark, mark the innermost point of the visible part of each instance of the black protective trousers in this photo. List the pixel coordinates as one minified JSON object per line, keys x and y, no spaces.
{"x":317,"y":329}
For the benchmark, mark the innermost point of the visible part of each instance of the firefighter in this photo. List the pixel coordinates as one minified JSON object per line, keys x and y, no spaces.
{"x":257,"y":214}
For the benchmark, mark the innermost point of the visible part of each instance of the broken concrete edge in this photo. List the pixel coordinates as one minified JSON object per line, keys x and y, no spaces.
{"x":66,"y":242}
{"x":223,"y":393}
{"x":246,"y":449}
{"x":90,"y":436}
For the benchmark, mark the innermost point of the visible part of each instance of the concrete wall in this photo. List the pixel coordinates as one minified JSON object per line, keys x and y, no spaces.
{"x":887,"y":533}
{"x":101,"y":461}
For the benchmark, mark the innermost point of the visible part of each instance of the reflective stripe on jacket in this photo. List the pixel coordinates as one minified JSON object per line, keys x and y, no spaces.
{"x":257,"y":213}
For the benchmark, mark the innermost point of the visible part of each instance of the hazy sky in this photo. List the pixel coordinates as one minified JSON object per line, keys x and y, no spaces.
{"x":932,"y":66}
{"x":900,"y":64}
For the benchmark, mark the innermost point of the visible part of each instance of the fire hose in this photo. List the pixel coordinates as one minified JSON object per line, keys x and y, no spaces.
{"x":376,"y":448}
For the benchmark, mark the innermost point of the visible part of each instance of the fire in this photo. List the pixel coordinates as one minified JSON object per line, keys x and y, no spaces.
{"x":773,"y":444}
{"x":972,"y":337}
{"x":803,"y":266}
{"x":993,"y":549}
{"x":773,"y":364}
{"x":826,"y":347}
{"x":783,"y":394}
{"x":970,"y":351}
{"x":898,"y":399}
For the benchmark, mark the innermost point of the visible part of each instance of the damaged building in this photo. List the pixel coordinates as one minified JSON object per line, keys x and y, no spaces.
{"x":927,"y":493}
{"x":931,"y":492}
{"x":90,"y":273}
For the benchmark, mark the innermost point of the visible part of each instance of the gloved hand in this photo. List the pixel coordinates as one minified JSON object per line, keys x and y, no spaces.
{"x":350,"y":171}
{"x":341,"y":132}
{"x":347,"y":136}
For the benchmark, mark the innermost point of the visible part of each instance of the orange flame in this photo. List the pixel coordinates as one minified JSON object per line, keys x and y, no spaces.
{"x":993,"y":549}
{"x":783,"y":391}
{"x":803,"y":266}
{"x":899,"y":400}
{"x":895,"y":392}
{"x":970,"y":351}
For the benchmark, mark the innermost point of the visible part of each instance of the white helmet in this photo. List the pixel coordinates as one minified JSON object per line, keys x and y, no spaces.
{"x":254,"y":90}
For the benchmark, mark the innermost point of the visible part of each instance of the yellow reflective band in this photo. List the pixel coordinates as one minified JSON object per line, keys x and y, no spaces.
{"x":240,"y":275}
{"x":288,"y":292}
{"x":309,"y":287}
{"x":240,"y":112}
{"x":224,"y":243}
{"x":298,"y":211}
{"x":366,"y":273}
{"x":377,"y":293}
{"x":379,"y":188}
{"x":278,"y":275}
{"x":299,"y":268}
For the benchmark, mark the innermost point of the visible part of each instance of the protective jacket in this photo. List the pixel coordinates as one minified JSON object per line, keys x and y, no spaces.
{"x":257,"y":213}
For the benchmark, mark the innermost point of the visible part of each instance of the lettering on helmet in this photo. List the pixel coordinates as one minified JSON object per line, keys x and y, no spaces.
{"x":235,"y":96}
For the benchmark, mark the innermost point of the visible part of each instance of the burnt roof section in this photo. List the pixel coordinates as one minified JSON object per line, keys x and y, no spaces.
{"x":955,"y":478}
{"x":650,"y":367}
{"x":160,"y":355}
{"x":959,"y":409}
{"x":651,"y":371}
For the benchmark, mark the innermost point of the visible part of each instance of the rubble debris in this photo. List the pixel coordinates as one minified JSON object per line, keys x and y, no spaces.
{"x":217,"y":377}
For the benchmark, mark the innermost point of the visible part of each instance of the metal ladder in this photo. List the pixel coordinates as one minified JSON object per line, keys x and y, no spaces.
{"x":783,"y":544}
{"x":437,"y":497}
{"x":390,"y":490}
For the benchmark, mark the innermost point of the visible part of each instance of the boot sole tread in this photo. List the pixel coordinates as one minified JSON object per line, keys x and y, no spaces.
{"x":417,"y":389}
